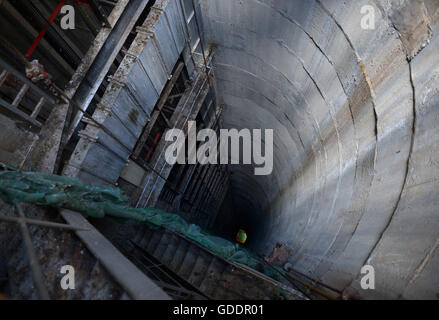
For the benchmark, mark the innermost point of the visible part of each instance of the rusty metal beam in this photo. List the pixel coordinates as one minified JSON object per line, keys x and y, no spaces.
{"x":40,"y":223}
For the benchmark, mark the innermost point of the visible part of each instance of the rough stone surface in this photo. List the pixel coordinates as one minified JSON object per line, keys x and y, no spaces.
{"x":54,"y":248}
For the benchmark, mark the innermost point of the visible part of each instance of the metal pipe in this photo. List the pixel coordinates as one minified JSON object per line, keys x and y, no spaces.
{"x":38,"y":108}
{"x":35,"y":267}
{"x":156,"y":139}
{"x":3,"y":77}
{"x":41,"y":223}
{"x":24,"y":89}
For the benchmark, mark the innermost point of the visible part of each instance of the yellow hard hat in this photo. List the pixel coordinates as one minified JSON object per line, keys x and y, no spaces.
{"x":241,"y":236}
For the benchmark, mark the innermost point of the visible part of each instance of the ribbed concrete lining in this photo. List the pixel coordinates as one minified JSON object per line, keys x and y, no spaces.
{"x":356,"y":150}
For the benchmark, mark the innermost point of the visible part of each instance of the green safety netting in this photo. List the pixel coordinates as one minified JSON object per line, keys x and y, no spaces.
{"x":70,"y":193}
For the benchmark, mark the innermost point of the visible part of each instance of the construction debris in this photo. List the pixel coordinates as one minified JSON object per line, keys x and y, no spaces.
{"x":280,"y":254}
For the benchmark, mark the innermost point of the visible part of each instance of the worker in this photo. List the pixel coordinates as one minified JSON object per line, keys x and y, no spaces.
{"x":241,"y":236}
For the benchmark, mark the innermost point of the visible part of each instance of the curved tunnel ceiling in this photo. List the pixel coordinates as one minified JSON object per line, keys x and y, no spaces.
{"x":354,"y":114}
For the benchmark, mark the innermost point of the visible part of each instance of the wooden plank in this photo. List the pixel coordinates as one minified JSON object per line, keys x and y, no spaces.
{"x":137,"y":284}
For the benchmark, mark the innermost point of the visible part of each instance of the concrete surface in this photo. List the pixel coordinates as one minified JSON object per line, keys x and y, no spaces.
{"x":355,"y":113}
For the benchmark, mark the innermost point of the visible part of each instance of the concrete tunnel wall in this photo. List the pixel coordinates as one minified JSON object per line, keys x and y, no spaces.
{"x":355,"y":116}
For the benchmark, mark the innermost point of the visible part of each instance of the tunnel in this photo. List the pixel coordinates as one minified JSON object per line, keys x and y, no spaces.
{"x":354,"y":114}
{"x":350,"y":90}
